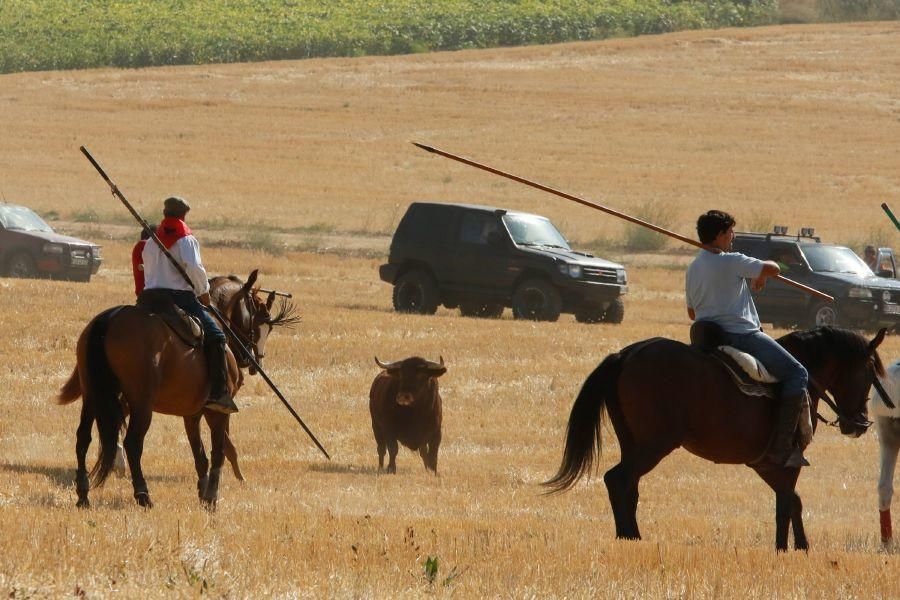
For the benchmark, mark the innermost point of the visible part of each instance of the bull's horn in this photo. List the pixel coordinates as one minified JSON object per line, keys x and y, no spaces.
{"x":386,"y":366}
{"x":431,"y":365}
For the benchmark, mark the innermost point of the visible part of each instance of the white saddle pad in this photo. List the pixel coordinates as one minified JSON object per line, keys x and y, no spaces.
{"x":749,"y":364}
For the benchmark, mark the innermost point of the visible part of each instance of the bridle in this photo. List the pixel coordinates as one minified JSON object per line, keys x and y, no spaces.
{"x":857,"y":420}
{"x":249,"y":339}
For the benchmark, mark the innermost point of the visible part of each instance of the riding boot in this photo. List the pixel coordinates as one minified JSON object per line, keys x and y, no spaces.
{"x":219,"y":397}
{"x":783,"y":451}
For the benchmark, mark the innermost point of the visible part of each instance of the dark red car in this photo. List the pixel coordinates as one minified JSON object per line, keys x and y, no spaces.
{"x":30,"y":248}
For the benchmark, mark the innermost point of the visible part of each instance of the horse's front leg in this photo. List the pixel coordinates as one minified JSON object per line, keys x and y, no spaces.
{"x":138,"y":425}
{"x":231,"y":452}
{"x":201,"y":463}
{"x":788,"y":507}
{"x":218,"y":424}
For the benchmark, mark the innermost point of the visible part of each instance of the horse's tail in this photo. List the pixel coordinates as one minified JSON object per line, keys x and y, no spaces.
{"x":71,"y":391}
{"x":102,"y":394}
{"x":583,"y":440}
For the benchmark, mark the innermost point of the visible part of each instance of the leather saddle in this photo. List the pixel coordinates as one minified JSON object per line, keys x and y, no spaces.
{"x":160,"y":304}
{"x":749,"y":375}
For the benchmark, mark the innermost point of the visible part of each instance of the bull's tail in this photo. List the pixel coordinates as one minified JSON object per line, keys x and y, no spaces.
{"x":101,"y":393}
{"x":583,"y":439}
{"x":71,"y":391}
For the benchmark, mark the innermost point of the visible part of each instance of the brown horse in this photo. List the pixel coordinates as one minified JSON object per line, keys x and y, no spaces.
{"x":119,"y":377}
{"x":661,"y":394}
{"x":252,"y":319}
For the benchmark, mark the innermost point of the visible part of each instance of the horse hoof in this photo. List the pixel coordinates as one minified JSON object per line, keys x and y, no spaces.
{"x":208,"y":504}
{"x":83,"y":503}
{"x":143,"y":500}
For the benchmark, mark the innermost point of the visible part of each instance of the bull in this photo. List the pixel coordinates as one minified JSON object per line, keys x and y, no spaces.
{"x":406,"y":407}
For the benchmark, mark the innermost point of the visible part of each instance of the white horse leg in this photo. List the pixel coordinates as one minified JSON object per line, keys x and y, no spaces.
{"x":889,"y":442}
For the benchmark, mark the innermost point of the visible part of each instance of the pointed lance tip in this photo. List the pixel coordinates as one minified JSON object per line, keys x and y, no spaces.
{"x":424,"y":147}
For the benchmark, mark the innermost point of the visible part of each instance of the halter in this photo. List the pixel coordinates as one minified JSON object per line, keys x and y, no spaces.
{"x":248,"y":340}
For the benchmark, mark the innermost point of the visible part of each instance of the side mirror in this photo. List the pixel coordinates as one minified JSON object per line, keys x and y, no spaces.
{"x":496,"y":239}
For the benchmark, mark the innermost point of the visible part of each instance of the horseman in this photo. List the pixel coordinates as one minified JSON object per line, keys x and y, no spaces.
{"x":717,"y":291}
{"x":160,"y":274}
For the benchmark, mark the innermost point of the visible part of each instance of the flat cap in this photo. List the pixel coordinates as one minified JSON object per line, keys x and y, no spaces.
{"x":176,"y":205}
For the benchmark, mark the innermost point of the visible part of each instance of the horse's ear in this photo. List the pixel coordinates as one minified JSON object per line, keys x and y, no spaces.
{"x":251,"y":280}
{"x":270,"y":300}
{"x":876,"y":341}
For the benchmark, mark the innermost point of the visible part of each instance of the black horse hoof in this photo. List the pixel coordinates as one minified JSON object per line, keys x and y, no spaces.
{"x":83,"y":503}
{"x":143,"y":500}
{"x":208,"y":504}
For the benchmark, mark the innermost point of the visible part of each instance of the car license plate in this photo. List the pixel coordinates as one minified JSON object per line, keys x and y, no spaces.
{"x":81,"y":261}
{"x":892,"y":309}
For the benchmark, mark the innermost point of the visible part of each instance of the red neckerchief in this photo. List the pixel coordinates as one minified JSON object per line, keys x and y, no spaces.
{"x":170,"y":230}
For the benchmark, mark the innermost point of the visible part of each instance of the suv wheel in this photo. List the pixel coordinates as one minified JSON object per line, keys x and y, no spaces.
{"x":615,"y":312}
{"x":484,"y":311}
{"x":823,"y":313}
{"x":21,"y":265}
{"x":416,"y":292}
{"x":589,"y":313}
{"x":537,"y":300}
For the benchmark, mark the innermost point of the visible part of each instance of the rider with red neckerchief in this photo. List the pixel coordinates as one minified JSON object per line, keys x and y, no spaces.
{"x":160,"y":274}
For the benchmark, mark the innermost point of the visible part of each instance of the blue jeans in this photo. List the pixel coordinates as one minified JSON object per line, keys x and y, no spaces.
{"x":778,"y":361}
{"x":187,"y":301}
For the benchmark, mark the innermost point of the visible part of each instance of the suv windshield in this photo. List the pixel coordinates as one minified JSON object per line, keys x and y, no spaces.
{"x":835,"y":259}
{"x":531,"y":230}
{"x":22,"y":219}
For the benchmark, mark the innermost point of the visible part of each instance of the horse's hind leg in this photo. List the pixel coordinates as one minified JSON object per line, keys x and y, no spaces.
{"x":622,"y":482}
{"x":217,"y":426}
{"x":138,"y":424}
{"x":82,"y":443}
{"x":201,"y":463}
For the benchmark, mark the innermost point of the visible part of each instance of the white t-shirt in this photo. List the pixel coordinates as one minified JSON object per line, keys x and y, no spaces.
{"x":716,"y":289}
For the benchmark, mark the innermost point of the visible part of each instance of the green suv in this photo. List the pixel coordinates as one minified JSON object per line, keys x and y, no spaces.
{"x":861,"y":299}
{"x":482,"y":259}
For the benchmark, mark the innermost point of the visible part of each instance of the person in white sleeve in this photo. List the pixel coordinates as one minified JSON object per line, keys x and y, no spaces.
{"x":160,"y":274}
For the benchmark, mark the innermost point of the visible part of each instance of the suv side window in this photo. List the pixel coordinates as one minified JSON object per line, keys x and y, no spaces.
{"x":475,"y":227}
{"x":424,"y":225}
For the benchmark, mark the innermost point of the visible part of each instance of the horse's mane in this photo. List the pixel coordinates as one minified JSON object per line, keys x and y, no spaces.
{"x":820,"y":343}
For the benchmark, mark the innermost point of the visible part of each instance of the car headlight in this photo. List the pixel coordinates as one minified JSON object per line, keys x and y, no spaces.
{"x":50,"y":248}
{"x":860,"y":292}
{"x":620,"y":276}
{"x":95,"y":251}
{"x":573,"y":271}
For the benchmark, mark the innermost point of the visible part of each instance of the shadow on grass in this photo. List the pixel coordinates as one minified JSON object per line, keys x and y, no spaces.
{"x":343,"y":469}
{"x":65,"y":476}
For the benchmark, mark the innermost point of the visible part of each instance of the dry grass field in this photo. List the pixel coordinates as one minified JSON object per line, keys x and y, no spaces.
{"x":794,"y":125}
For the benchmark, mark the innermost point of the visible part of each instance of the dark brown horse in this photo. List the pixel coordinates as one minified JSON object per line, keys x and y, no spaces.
{"x":120,"y":376}
{"x":661,"y":394}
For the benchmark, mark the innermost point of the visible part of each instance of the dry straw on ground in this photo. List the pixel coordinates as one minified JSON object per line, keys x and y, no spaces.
{"x":798,"y":125}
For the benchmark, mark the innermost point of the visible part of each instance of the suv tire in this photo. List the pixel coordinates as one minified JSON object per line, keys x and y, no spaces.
{"x":416,"y":292}
{"x":824,"y":313}
{"x":537,"y":300}
{"x":21,"y":265}
{"x":484,"y":311}
{"x":615,"y":312}
{"x":589,"y":313}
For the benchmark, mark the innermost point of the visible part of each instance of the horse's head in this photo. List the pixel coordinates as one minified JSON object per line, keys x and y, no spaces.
{"x":845,"y":364}
{"x":252,"y":318}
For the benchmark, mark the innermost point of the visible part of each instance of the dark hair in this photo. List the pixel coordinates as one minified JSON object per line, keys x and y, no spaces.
{"x":870,"y":250}
{"x":711,"y":224}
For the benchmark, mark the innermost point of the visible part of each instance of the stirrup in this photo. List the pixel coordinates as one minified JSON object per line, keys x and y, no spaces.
{"x":223,"y":404}
{"x":796,"y":459}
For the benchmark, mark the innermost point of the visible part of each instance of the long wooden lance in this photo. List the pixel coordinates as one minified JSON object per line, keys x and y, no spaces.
{"x":615,"y":213}
{"x":178,"y":267}
{"x":890,"y":214}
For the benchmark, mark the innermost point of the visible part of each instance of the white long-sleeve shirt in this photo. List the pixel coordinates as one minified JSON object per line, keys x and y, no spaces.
{"x":159,"y":272}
